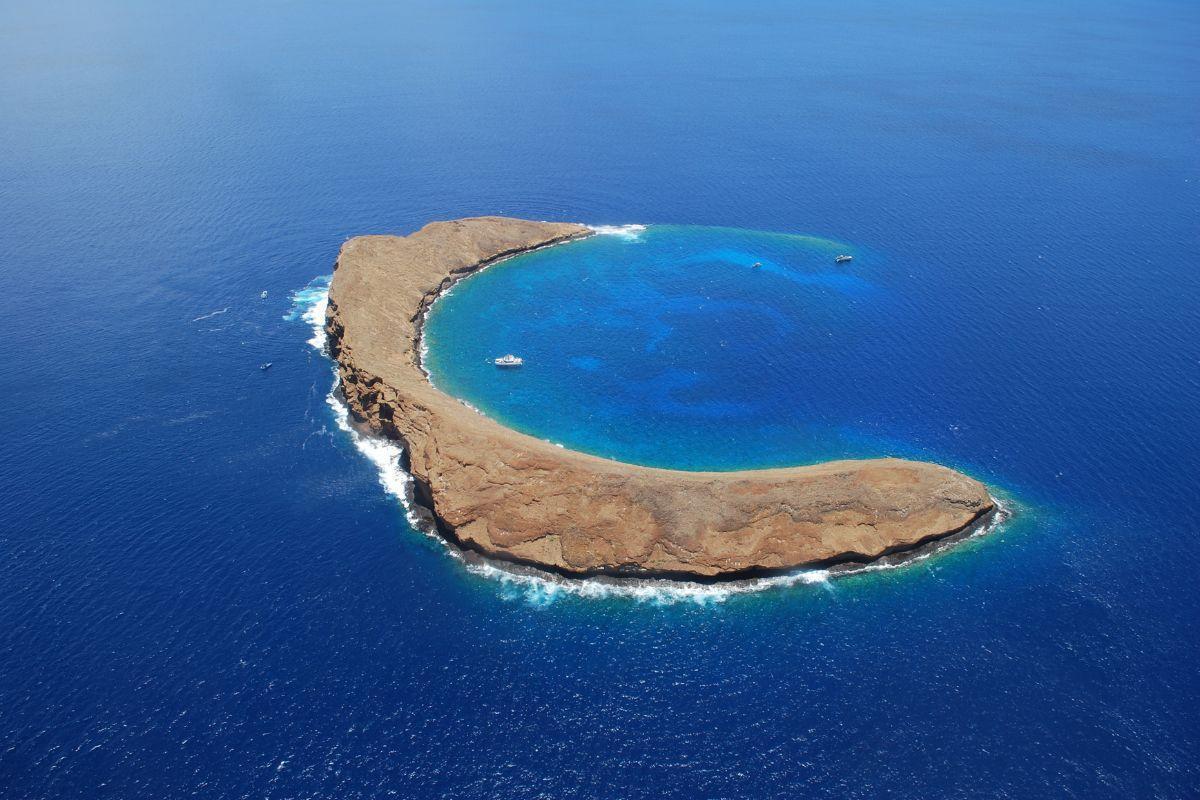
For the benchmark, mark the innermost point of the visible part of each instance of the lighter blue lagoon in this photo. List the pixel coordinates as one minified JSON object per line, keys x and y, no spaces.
{"x":690,"y":347}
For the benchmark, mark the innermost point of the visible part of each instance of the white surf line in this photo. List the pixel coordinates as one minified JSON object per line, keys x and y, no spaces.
{"x":386,"y":455}
{"x":309,"y":304}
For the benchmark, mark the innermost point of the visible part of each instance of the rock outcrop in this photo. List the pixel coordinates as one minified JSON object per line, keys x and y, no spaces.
{"x":518,"y":498}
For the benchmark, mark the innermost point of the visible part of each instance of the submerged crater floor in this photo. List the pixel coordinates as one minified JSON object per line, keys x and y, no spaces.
{"x":517,"y":498}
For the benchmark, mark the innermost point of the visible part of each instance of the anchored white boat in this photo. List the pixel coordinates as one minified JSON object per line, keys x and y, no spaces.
{"x":843,"y":259}
{"x":509,"y":361}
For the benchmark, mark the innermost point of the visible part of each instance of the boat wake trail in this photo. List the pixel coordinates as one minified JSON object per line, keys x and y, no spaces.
{"x":308,"y":304}
{"x":211,"y":314}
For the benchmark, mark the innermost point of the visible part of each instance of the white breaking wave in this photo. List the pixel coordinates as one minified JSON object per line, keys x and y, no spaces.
{"x":536,"y":587}
{"x":543,"y":588}
{"x":309,"y":304}
{"x":631,"y":232}
{"x":386,"y":455}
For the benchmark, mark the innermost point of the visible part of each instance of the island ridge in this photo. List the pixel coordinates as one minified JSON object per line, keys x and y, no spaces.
{"x":518,"y":498}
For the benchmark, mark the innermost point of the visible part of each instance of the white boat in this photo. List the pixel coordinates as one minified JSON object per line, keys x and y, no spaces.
{"x":843,"y":259}
{"x":508,"y":361}
{"x":263,"y":295}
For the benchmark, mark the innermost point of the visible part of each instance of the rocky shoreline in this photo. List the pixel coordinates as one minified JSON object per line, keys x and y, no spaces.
{"x":520,"y":499}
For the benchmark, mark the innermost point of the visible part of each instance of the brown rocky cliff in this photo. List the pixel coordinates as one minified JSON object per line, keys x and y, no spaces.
{"x":519,"y":498}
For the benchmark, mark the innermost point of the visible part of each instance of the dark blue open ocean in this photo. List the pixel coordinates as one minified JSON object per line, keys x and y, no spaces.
{"x":207,"y":592}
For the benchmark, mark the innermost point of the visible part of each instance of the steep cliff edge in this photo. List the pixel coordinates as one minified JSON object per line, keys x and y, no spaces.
{"x":515,"y":497}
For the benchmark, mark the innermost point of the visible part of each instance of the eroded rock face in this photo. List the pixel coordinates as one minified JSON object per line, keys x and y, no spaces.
{"x":514,"y":497}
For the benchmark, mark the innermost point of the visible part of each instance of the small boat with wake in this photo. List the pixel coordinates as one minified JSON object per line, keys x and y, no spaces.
{"x":842,"y":259}
{"x":265,"y":366}
{"x":508,"y":361}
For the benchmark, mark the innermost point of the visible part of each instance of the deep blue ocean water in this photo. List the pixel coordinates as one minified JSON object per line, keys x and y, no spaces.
{"x":206,"y":592}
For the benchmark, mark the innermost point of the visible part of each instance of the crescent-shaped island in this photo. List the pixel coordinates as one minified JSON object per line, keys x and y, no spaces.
{"x":517,"y":498}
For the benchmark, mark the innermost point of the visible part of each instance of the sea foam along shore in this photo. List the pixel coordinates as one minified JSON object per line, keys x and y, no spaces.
{"x":534,"y":586}
{"x":631,"y":232}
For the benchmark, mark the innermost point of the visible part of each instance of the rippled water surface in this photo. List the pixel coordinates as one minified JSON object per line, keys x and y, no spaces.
{"x":210,"y":589}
